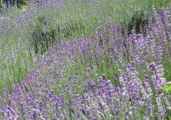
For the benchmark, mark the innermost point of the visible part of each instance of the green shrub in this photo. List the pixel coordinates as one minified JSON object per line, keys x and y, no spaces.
{"x":138,"y":22}
{"x":43,"y":35}
{"x":46,"y":32}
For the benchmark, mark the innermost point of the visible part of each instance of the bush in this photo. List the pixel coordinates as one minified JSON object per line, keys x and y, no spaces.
{"x":46,"y":32}
{"x":43,"y":35}
{"x":138,"y":23}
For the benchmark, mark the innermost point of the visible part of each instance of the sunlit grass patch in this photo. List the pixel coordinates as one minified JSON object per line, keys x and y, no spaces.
{"x":167,"y":88}
{"x":15,"y":61}
{"x":167,"y":68}
{"x":167,"y":72}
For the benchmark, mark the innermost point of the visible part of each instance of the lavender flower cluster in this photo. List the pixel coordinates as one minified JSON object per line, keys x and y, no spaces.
{"x":131,"y":99}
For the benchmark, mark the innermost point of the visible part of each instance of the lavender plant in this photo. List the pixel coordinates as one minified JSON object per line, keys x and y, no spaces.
{"x":71,"y":66}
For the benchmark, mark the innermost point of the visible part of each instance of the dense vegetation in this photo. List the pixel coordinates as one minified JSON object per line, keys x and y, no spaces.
{"x":85,"y":60}
{"x":12,"y":3}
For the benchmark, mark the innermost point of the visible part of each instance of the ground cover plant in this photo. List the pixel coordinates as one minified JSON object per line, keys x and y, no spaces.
{"x":85,"y":60}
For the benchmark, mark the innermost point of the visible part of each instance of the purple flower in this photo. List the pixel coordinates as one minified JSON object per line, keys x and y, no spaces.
{"x":10,"y":113}
{"x":158,"y":75}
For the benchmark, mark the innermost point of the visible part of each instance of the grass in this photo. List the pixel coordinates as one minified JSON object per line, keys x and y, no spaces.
{"x":167,"y":68}
{"x":76,"y":74}
{"x":167,"y":71}
{"x":167,"y":88}
{"x":15,"y":61}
